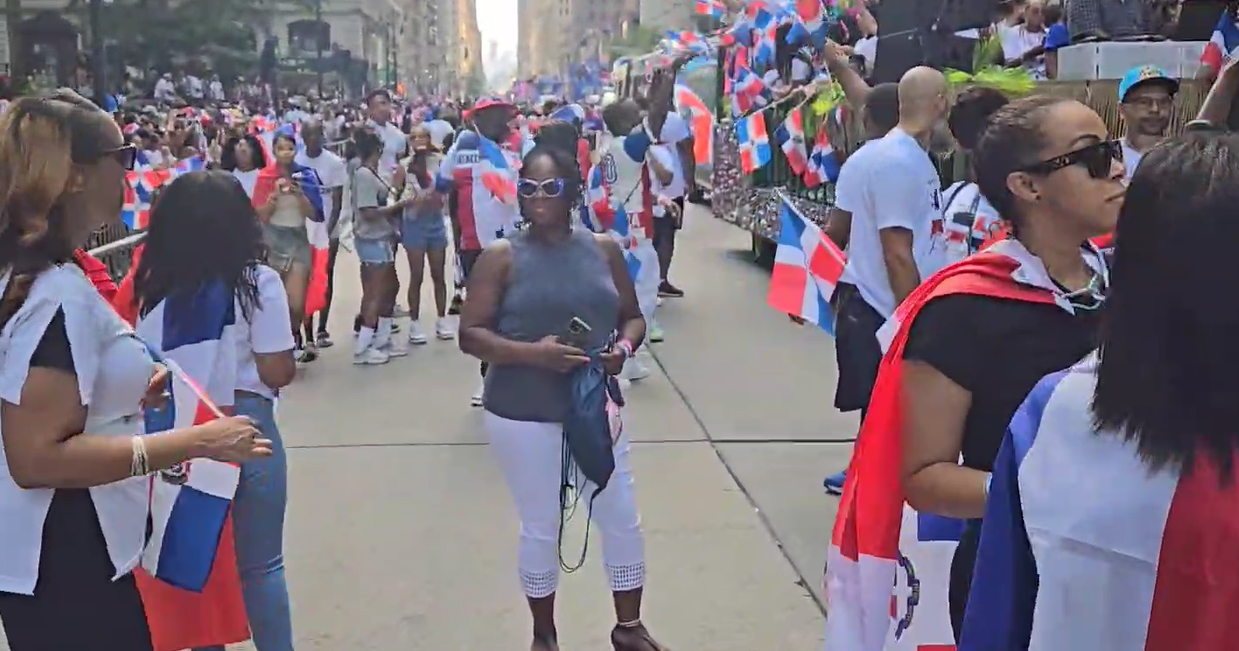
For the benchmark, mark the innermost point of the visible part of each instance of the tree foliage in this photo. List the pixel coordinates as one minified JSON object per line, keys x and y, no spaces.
{"x":161,"y":33}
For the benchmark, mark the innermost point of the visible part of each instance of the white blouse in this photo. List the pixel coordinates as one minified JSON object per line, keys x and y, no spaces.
{"x":113,"y":370}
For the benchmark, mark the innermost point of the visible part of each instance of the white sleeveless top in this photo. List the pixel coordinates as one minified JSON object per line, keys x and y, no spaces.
{"x":113,"y":370}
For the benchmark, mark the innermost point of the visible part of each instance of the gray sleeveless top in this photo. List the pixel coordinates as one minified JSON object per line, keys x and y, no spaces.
{"x":548,"y":285}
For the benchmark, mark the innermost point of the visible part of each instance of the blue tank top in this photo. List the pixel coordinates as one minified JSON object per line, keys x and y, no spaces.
{"x":548,"y":284}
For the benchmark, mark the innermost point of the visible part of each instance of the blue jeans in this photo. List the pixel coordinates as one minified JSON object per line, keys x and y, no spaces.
{"x":258,"y":522}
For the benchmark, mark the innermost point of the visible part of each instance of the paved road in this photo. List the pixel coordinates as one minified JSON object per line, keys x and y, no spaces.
{"x":401,"y":535}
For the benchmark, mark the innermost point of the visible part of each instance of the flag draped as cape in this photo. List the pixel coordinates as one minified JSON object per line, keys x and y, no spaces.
{"x":865,"y":554}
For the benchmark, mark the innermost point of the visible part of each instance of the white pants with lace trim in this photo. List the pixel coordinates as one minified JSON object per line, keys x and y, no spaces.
{"x":529,"y":456}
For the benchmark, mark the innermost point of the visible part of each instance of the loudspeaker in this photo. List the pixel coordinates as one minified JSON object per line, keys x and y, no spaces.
{"x":899,"y":53}
{"x":922,"y":32}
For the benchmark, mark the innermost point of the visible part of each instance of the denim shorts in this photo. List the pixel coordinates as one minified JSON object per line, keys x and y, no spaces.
{"x":287,"y":246}
{"x":424,"y":233}
{"x":379,"y":250}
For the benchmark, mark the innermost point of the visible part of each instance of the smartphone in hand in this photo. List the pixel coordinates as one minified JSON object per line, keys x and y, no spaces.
{"x":576,"y":334}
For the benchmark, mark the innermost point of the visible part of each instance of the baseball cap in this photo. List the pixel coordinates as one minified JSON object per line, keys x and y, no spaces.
{"x":490,"y":101}
{"x":1142,"y":74}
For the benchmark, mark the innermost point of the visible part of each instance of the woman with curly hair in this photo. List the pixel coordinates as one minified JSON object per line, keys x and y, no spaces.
{"x":244,"y":157}
{"x":74,"y":465}
{"x":205,"y":240}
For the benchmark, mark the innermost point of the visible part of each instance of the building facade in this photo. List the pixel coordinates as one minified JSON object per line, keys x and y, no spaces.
{"x":667,"y":14}
{"x":557,"y":34}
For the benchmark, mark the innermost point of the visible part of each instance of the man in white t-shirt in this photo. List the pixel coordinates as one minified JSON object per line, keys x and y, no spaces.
{"x":1146,"y":96}
{"x":333,"y":176}
{"x":893,"y":194}
{"x":395,"y":142}
{"x":678,"y":139}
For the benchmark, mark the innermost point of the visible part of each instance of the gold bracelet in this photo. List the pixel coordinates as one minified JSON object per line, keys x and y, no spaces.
{"x":140,"y":464}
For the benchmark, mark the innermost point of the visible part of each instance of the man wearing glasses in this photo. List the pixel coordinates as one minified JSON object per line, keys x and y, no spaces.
{"x":1146,"y":100}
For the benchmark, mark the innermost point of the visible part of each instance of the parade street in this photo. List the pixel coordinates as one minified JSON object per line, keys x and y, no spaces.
{"x":401,"y":535}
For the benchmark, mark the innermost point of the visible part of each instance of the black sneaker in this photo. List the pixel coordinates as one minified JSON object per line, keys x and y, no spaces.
{"x":324,"y":340}
{"x":457,"y":302}
{"x":668,"y":290}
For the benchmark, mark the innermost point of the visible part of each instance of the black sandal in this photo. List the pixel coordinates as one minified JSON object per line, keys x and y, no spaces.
{"x":634,"y":638}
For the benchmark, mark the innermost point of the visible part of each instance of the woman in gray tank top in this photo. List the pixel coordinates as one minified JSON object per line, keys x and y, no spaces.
{"x":523,"y":293}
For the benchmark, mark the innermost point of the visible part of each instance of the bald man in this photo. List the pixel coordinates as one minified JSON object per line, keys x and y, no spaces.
{"x":895,"y":239}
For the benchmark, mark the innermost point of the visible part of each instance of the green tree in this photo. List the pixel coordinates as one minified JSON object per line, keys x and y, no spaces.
{"x":159,"y":33}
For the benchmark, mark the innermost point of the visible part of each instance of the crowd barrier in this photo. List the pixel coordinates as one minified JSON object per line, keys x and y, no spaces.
{"x":113,"y":244}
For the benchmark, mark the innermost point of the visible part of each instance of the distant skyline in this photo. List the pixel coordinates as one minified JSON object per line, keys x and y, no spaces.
{"x":497,"y":20}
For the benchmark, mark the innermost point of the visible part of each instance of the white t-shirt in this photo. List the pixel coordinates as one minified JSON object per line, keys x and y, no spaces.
{"x":1017,"y":40}
{"x":1131,"y":158}
{"x":331,"y":173}
{"x":969,"y":220}
{"x":395,"y":143}
{"x":268,"y":330}
{"x":889,"y":183}
{"x":867,"y":48}
{"x":113,"y":370}
{"x":248,"y":180}
{"x":667,"y":157}
{"x":675,"y":129}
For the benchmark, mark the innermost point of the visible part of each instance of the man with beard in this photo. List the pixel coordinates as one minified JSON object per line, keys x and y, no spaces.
{"x":1146,"y":99}
{"x":895,"y":237}
{"x":478,"y":217}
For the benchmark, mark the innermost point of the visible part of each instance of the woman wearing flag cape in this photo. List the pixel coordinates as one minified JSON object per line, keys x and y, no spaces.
{"x":961,"y":353}
{"x":1123,"y":467}
{"x":75,"y":484}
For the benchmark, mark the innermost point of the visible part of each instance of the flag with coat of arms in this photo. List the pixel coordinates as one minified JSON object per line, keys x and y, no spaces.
{"x":606,"y":214}
{"x":791,"y":138}
{"x":190,"y":584}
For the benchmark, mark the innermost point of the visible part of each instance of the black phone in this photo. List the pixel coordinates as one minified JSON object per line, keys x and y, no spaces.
{"x":577,"y":334}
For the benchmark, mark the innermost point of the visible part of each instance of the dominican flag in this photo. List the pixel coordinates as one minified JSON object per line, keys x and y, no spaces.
{"x":496,"y":175}
{"x":887,"y":587}
{"x":190,"y":587}
{"x":316,"y":226}
{"x":807,"y":266}
{"x":749,"y":91}
{"x":1124,"y":558}
{"x":701,"y":122}
{"x":712,"y":8}
{"x":790,"y":136}
{"x":824,"y":163}
{"x":754,"y":142}
{"x":1221,"y":46}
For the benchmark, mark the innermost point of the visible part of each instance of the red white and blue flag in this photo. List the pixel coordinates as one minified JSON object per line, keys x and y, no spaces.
{"x":888,"y":585}
{"x":823,"y":161}
{"x":1124,"y":558}
{"x":790,"y":136}
{"x":1221,"y":46}
{"x":712,"y":8}
{"x":807,"y":267}
{"x":194,"y":599}
{"x":754,"y":142}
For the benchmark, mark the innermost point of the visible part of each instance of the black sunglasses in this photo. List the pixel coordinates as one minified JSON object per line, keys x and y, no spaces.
{"x":126,"y":155}
{"x":528,"y":188}
{"x":1096,"y":158}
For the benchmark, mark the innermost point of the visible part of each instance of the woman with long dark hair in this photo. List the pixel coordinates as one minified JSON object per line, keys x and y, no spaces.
{"x":529,"y":295}
{"x":74,"y":463}
{"x":375,"y":218}
{"x":286,"y":194}
{"x":245,"y":158}
{"x":1116,"y":481}
{"x":969,"y":343}
{"x":204,"y":239}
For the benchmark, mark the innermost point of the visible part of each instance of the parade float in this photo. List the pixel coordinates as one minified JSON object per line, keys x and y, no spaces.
{"x":747,"y":188}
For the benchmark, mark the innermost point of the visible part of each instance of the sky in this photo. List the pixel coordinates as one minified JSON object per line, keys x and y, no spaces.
{"x":498,"y":21}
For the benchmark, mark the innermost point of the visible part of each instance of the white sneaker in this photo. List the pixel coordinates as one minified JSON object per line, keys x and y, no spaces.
{"x":634,"y":370}
{"x":416,"y":336}
{"x":371,"y":356}
{"x":444,"y":330}
{"x":656,"y":333}
{"x":660,"y":302}
{"x":476,"y":399}
{"x":394,"y":349}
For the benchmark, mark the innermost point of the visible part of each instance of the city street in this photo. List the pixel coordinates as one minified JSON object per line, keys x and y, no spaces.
{"x":401,"y":535}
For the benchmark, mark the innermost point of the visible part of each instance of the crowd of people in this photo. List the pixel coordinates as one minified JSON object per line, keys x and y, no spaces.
{"x":230,"y":260}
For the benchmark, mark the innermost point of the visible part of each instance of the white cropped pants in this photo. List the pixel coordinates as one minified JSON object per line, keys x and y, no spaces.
{"x":530,"y":458}
{"x":648,"y":279}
